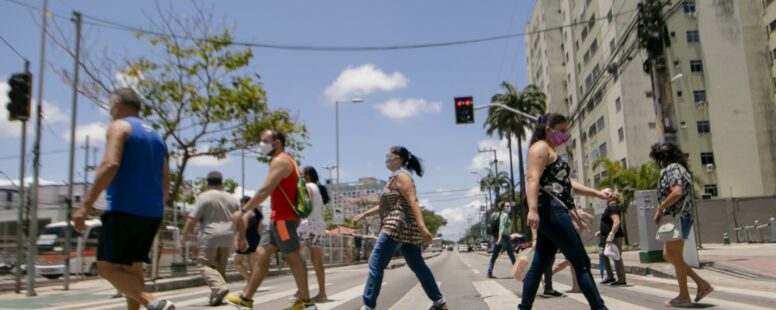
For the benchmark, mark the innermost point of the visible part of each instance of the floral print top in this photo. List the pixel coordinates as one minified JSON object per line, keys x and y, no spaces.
{"x":556,"y":180}
{"x":676,"y":174}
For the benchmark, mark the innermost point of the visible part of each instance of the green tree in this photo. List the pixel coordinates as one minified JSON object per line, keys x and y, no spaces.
{"x":203,"y":96}
{"x":433,"y":221}
{"x":531,"y":100}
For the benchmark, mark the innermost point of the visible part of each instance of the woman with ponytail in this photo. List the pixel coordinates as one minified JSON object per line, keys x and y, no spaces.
{"x":552,"y":213}
{"x":312,"y":230}
{"x":402,"y":228}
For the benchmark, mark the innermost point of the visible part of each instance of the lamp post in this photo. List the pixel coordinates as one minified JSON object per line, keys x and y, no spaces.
{"x":336,"y":104}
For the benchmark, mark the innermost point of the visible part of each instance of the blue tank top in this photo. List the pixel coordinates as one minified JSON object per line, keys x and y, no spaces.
{"x":137,"y":186}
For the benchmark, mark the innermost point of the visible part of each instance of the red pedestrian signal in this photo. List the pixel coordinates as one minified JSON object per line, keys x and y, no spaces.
{"x":464,"y":110}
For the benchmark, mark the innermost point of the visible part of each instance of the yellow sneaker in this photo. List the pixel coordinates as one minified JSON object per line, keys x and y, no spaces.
{"x":301,"y":305}
{"x":238,"y":302}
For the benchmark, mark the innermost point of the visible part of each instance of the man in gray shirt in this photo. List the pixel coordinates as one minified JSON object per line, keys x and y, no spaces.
{"x":213,"y":212}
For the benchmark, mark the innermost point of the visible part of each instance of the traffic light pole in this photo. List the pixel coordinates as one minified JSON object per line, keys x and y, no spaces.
{"x":22,"y":196}
{"x":71,"y":174}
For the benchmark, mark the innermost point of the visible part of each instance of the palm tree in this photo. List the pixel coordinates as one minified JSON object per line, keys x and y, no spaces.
{"x":627,"y":180}
{"x":531,"y":101}
{"x":494,"y":182}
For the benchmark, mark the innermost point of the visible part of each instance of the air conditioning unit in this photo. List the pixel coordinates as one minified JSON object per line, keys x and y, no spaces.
{"x":683,"y":125}
{"x":709,"y":167}
{"x":705,"y":196}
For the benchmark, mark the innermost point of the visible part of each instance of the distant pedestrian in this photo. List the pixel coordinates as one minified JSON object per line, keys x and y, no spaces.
{"x":135,"y":172}
{"x":280,"y":185}
{"x":213,"y":214}
{"x":674,"y":190}
{"x":253,"y":236}
{"x":403,"y":229}
{"x":610,"y":232}
{"x":500,"y":238}
{"x":312,"y":230}
{"x":552,"y":212}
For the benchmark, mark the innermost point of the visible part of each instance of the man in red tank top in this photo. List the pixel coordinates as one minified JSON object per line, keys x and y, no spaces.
{"x":280,"y":185}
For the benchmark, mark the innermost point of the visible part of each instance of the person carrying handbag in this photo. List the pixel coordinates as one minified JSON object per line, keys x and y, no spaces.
{"x":674,"y":217}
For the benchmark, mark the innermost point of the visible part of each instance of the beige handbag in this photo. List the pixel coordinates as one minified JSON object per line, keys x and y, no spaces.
{"x":669,"y":228}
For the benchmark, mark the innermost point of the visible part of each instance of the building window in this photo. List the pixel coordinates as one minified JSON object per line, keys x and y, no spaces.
{"x":699,"y":96}
{"x":772,"y":26}
{"x":586,"y":58}
{"x":624,"y":162}
{"x":584,"y":34}
{"x":591,"y":132}
{"x":602,"y":150}
{"x":651,"y":125}
{"x":707,"y":158}
{"x":618,"y":104}
{"x":689,"y":7}
{"x":609,"y":16}
{"x":679,"y":93}
{"x":594,"y":47}
{"x":693,"y":36}
{"x":596,"y":180}
{"x":591,"y":23}
{"x":600,"y":123}
{"x":704,"y":127}
{"x":611,"y":47}
{"x":621,"y":134}
{"x":596,"y":71}
{"x":710,"y":189}
{"x":696,"y":66}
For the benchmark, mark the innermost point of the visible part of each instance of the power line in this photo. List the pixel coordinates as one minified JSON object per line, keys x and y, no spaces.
{"x":100,"y":22}
{"x":13,"y":48}
{"x":46,"y":153}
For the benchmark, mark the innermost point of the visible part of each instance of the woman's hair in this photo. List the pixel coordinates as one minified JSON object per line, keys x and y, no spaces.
{"x":548,"y":120}
{"x":244,"y":200}
{"x":668,"y":153}
{"x":616,"y":199}
{"x":313,"y":176}
{"x":408,"y":160}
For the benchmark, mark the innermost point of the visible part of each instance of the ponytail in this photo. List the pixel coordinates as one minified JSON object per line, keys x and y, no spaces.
{"x":313,"y":176}
{"x":545,"y":121}
{"x":409,"y":161}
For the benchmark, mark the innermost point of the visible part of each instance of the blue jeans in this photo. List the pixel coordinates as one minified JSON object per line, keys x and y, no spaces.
{"x":557,"y":232}
{"x":506,"y":244}
{"x":381,"y":256}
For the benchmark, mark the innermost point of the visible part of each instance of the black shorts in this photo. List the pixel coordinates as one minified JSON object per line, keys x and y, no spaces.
{"x":126,"y":238}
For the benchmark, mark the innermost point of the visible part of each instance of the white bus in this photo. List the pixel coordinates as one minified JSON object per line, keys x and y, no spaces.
{"x":436,"y":245}
{"x":50,"y":259}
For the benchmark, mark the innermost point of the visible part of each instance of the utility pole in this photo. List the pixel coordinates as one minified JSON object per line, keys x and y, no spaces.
{"x":32,"y":234}
{"x":22,"y":196}
{"x":652,"y":34}
{"x":71,"y":174}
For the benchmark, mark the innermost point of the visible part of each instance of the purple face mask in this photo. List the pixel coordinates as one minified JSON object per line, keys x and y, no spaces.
{"x":558,"y":138}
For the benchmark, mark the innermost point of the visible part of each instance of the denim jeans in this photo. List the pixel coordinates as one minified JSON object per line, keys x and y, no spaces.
{"x":506,"y":244}
{"x":548,"y":275}
{"x":381,"y":256}
{"x":556,"y":232}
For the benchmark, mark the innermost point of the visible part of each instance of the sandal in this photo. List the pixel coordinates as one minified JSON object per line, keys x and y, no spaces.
{"x":704,"y":293}
{"x":320,"y":299}
{"x":678,"y":304}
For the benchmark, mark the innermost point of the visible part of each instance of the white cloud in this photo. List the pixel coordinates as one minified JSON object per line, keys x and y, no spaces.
{"x":458,"y":220}
{"x":363,"y":80}
{"x":401,"y":109}
{"x":443,"y":191}
{"x":474,"y":192}
{"x":95,"y":131}
{"x":208,"y":161}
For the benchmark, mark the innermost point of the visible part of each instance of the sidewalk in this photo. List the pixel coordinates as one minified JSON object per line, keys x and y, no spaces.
{"x":168,"y":284}
{"x":749,"y":266}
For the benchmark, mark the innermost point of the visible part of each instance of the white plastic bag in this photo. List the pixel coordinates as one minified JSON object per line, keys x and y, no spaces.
{"x":611,"y":251}
{"x":524,"y":260}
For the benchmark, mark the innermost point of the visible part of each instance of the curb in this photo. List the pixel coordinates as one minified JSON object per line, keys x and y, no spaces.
{"x":177,"y":283}
{"x":643,"y":271}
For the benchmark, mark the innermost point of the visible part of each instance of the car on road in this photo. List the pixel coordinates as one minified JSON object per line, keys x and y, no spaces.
{"x":463,"y":248}
{"x":484,"y":245}
{"x":449,"y":248}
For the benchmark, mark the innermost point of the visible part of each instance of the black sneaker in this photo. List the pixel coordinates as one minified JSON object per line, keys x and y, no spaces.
{"x":607,"y":281}
{"x":490,"y":276}
{"x":553,"y":293}
{"x":439,"y":307}
{"x":618,"y":283}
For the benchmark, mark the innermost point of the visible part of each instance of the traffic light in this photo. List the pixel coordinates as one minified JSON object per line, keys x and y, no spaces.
{"x":464,"y":110}
{"x":20,"y":96}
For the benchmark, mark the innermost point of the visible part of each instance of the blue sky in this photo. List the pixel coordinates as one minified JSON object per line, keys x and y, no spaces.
{"x":408,"y":94}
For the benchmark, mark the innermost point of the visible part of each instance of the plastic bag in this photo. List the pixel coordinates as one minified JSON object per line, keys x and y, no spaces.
{"x":524,"y":260}
{"x":611,"y":251}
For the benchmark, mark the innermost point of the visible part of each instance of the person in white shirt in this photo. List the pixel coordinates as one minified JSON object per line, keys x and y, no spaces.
{"x":312,"y":230}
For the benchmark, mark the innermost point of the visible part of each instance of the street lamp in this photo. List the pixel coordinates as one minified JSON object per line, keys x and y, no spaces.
{"x":336,"y":104}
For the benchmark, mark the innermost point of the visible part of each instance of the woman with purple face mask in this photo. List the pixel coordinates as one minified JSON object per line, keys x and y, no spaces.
{"x":552,"y":213}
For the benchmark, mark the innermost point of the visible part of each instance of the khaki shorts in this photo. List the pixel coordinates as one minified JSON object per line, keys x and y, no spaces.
{"x":283,"y":236}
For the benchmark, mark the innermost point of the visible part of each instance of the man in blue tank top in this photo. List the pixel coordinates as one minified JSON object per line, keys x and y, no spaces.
{"x":135,"y":172}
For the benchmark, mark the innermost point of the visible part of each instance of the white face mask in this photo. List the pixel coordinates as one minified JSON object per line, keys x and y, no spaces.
{"x":265,"y":148}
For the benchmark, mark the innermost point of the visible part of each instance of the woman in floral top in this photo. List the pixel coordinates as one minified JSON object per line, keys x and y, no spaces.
{"x":675,"y":188}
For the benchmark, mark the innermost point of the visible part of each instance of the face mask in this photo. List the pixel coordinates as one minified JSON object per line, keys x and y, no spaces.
{"x":558,"y":138}
{"x":507,"y":210}
{"x":265,"y":148}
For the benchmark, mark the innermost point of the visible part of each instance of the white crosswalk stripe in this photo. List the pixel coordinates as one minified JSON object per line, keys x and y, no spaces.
{"x":717,"y":288}
{"x":496,"y":296}
{"x":414,"y":299}
{"x":343,"y":297}
{"x":708,"y":300}
{"x":611,"y":303}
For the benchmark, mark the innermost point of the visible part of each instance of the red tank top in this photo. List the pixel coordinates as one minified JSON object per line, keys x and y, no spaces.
{"x":281,"y":209}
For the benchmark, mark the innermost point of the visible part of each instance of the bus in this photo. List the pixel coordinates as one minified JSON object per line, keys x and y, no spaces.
{"x":50,"y":258}
{"x":436,"y":245}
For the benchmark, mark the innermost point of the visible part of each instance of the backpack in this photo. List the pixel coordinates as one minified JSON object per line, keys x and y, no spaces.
{"x":303,"y":205}
{"x":493,"y":222}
